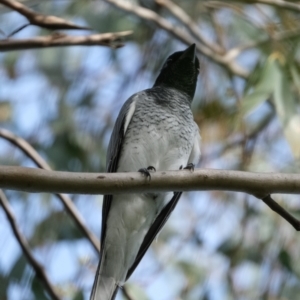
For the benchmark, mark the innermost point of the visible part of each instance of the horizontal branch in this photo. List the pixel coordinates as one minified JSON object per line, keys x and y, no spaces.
{"x":60,"y":39}
{"x":37,"y":180}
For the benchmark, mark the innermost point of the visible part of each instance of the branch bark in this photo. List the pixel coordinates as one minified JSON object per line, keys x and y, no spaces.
{"x":38,"y":268}
{"x":281,"y":211}
{"x":59,"y":39}
{"x":41,"y":20}
{"x":38,"y":181}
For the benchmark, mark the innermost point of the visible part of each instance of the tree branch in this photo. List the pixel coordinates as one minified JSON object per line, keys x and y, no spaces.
{"x":37,"y":181}
{"x":41,"y":20}
{"x":192,"y":27}
{"x":276,"y":3}
{"x":280,"y":36}
{"x":151,"y":16}
{"x":59,"y":39}
{"x":71,"y":209}
{"x":281,"y":211}
{"x":38,"y":268}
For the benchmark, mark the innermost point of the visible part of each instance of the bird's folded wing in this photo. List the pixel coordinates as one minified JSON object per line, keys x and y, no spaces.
{"x":154,"y":230}
{"x":113,"y":153}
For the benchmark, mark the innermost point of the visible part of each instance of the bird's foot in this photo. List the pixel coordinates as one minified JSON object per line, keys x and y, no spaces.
{"x":146,"y":171}
{"x":189,"y":166}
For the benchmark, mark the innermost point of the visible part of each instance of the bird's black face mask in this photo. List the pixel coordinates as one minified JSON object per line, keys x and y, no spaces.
{"x":180,"y":71}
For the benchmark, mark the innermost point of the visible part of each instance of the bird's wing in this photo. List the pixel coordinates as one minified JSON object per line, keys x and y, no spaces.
{"x":114,"y":150}
{"x":154,"y":230}
{"x":195,"y":154}
{"x":112,"y":160}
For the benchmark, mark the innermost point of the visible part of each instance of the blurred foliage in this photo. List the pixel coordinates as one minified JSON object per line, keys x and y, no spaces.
{"x":64,"y":102}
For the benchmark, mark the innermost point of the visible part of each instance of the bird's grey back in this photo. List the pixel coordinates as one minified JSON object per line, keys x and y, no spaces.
{"x":160,"y":113}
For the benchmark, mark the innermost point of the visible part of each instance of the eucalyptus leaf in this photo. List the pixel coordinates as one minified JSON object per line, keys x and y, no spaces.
{"x":283,"y":98}
{"x":56,"y":227}
{"x":38,"y":289}
{"x":263,"y":88}
{"x":292,"y":133}
{"x":286,"y":109}
{"x":4,"y":283}
{"x":18,"y":268}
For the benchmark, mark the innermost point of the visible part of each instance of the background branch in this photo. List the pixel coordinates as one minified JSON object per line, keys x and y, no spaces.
{"x":276,"y":3}
{"x":191,"y":26}
{"x":41,"y":20}
{"x":281,"y":211}
{"x":38,"y":268}
{"x":151,"y":16}
{"x":71,"y":209}
{"x":59,"y":39}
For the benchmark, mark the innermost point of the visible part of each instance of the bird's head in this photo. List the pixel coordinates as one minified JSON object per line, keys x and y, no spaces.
{"x":180,"y":71}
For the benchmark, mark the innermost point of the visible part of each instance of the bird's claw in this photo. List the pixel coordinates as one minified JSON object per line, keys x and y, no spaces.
{"x":146,"y":171}
{"x":189,"y":166}
{"x":151,"y":168}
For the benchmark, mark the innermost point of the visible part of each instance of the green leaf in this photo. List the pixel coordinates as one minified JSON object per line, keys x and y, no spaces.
{"x":253,"y":100}
{"x":18,"y":269}
{"x":5,"y":111}
{"x":135,"y":292}
{"x":283,"y":98}
{"x":4,"y":283}
{"x":295,"y":77}
{"x":285,"y":259}
{"x":193,"y":272}
{"x":262,"y":89}
{"x":292,"y":133}
{"x":79,"y":296}
{"x":38,"y":289}
{"x":57,"y":226}
{"x":286,"y":109}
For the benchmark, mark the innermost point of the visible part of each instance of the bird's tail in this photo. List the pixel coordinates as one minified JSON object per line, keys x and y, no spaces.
{"x":104,"y":288}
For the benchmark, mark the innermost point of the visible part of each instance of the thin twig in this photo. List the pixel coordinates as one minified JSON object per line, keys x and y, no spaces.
{"x":59,"y":39}
{"x":221,"y":4}
{"x":17,"y":30}
{"x":180,"y":34}
{"x":237,"y":141}
{"x":41,"y":20}
{"x":38,"y":268}
{"x":192,"y":27}
{"x":71,"y":209}
{"x":281,"y":211}
{"x":218,"y":29}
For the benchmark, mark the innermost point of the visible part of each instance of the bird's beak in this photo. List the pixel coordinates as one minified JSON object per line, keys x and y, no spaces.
{"x":190,"y":53}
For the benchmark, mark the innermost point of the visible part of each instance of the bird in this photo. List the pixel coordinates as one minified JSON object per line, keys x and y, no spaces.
{"x":154,"y":131}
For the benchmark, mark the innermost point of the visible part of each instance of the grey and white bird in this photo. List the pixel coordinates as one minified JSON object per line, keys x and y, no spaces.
{"x":155,"y":130}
